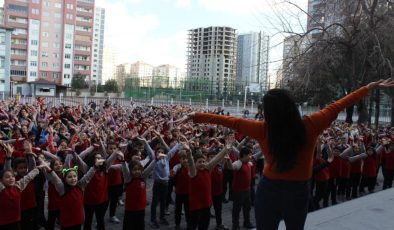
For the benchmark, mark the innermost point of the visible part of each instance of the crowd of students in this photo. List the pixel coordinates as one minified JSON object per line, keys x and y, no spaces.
{"x":84,"y":158}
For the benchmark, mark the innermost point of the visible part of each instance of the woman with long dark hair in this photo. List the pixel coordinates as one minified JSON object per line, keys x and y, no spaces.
{"x":288,"y":142}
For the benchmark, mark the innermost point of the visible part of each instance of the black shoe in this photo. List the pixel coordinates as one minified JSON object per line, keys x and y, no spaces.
{"x":164,"y":222}
{"x":225,"y":201}
{"x":249,"y":226}
{"x":154,"y":225}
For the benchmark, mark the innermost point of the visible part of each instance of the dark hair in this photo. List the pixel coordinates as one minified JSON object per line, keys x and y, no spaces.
{"x":244,"y":152}
{"x":197,"y":155}
{"x":2,"y":172}
{"x":286,"y":130}
{"x":18,"y":161}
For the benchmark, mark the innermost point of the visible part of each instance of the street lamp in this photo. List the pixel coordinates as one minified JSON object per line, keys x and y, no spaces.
{"x":246,"y":92}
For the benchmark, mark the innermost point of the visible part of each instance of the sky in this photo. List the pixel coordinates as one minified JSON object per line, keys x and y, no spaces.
{"x":155,"y":31}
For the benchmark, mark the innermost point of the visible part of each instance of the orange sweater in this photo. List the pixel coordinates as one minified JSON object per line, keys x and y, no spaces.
{"x":314,"y":124}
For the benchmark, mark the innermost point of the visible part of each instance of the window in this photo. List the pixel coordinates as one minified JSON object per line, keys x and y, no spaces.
{"x":58,"y":5}
{"x":69,"y":36}
{"x":33,"y":53}
{"x":45,"y":34}
{"x":56,"y":65}
{"x":69,"y":16}
{"x":33,"y":73}
{"x":44,"y":54}
{"x":46,"y":14}
{"x":35,"y":11}
{"x":55,"y":55}
{"x":67,"y":56}
{"x":68,"y":46}
{"x":67,"y":66}
{"x":35,"y":1}
{"x":2,"y":60}
{"x":57,"y":15}
{"x":45,"y":90}
{"x":2,"y":38}
{"x":33,"y":63}
{"x":45,"y":24}
{"x":66,"y":76}
{"x":56,"y":45}
{"x":46,"y":3}
{"x":44,"y":64}
{"x":70,"y":6}
{"x":44,"y":44}
{"x":44,"y":74}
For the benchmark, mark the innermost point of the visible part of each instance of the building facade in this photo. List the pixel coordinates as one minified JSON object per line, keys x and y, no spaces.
{"x":211,"y":59}
{"x":5,"y":59}
{"x":110,"y":63}
{"x":252,"y":60}
{"x":98,"y":45}
{"x":52,"y":39}
{"x":172,"y":73}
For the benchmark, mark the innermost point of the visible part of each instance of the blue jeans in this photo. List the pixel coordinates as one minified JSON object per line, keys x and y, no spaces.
{"x":277,"y":199}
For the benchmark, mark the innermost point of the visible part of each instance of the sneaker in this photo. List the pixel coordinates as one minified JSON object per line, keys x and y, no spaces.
{"x":114,"y":220}
{"x":154,"y":225}
{"x":221,"y":227}
{"x":120,"y":202}
{"x":249,"y":225}
{"x":164,"y":222}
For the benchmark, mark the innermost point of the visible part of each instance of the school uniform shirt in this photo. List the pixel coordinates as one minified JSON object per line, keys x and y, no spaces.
{"x":53,"y":198}
{"x":345,"y":169}
{"x":242,"y":178}
{"x":388,"y":159}
{"x":115,"y":176}
{"x":217,"y":180}
{"x":28,"y":198}
{"x":324,"y":174}
{"x":370,"y":166}
{"x":335,"y":167}
{"x":97,"y":190}
{"x":181,"y":180}
{"x":135,"y":195}
{"x":200,"y":191}
{"x":10,"y":205}
{"x":356,"y":167}
{"x":71,"y":208}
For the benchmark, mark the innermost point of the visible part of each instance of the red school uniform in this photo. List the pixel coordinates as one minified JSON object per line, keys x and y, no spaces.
{"x":71,"y":208}
{"x":28,"y":198}
{"x":53,"y":198}
{"x":370,"y":166}
{"x":345,"y":169}
{"x":242,"y":178}
{"x":115,"y":176}
{"x":135,"y":195}
{"x":200,"y":191}
{"x":182,"y":182}
{"x":217,"y":180}
{"x":388,"y":159}
{"x":335,"y":167}
{"x":97,"y":190}
{"x":324,"y":174}
{"x":10,"y":205}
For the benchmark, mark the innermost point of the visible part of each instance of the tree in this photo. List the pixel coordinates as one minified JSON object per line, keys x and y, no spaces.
{"x":92,"y":90}
{"x":78,"y":82}
{"x":111,"y":86}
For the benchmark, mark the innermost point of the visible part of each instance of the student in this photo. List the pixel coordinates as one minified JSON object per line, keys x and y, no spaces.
{"x":71,"y":191}
{"x":217,"y":188}
{"x":161,"y":175}
{"x":135,"y":187}
{"x":370,"y":169}
{"x":11,"y":195}
{"x":22,"y":166}
{"x":200,"y":187}
{"x":180,"y":172}
{"x":241,"y":187}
